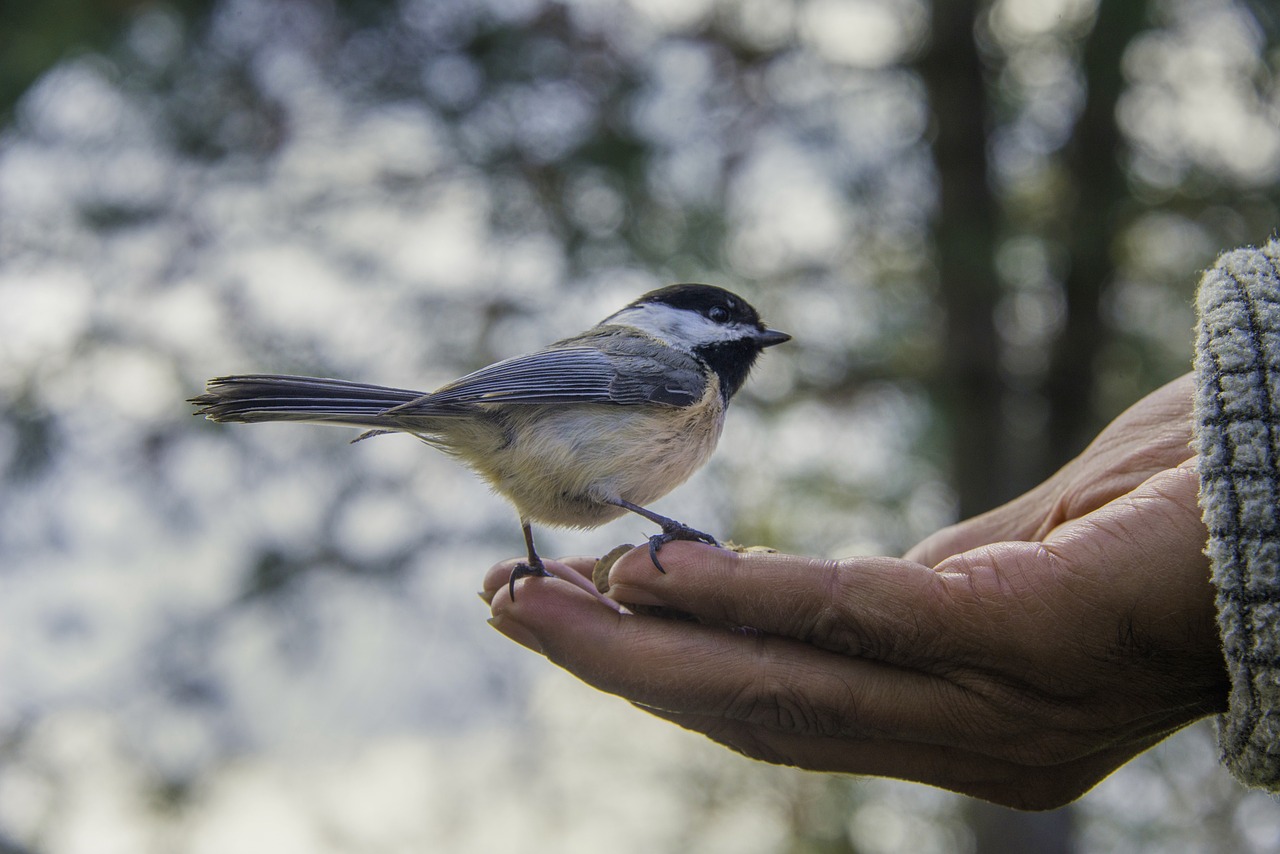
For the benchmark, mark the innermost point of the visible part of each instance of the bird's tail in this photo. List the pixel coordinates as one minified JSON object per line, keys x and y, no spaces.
{"x":271,"y":397}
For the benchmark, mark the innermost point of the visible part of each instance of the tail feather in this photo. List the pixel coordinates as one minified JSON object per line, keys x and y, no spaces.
{"x":272,"y":397}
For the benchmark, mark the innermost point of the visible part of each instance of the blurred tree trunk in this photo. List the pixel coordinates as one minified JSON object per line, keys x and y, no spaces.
{"x":1100,"y":192}
{"x":969,"y":386}
{"x":966,"y":233}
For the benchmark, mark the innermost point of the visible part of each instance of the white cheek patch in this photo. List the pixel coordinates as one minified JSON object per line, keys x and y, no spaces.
{"x":681,"y":329}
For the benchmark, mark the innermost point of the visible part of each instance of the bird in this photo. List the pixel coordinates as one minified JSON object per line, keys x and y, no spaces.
{"x":575,"y":434}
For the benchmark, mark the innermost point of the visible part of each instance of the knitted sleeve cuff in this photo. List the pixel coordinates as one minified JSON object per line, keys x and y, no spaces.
{"x":1237,"y":424}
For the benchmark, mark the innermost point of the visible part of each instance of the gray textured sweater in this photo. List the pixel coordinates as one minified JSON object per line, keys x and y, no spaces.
{"x":1237,"y":422}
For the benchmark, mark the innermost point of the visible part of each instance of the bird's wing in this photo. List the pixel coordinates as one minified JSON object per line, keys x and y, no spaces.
{"x":623,"y":374}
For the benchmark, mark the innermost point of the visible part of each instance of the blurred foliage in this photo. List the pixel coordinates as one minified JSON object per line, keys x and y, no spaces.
{"x":982,"y":222}
{"x":36,"y":35}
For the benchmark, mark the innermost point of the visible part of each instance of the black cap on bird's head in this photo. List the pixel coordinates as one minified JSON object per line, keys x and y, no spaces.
{"x":715,"y":325}
{"x":704,"y":299}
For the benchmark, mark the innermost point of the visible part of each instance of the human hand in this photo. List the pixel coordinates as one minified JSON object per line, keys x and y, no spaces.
{"x":1021,"y":672}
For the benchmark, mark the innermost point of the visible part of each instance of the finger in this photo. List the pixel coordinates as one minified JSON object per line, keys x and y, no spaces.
{"x":886,"y":609}
{"x":1015,"y":629}
{"x":572,"y":574}
{"x":1017,"y":520}
{"x":770,"y":682}
{"x":500,"y":573}
{"x":956,"y":769}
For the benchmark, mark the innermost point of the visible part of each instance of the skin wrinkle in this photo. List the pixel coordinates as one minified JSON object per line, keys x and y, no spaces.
{"x":1018,"y":701}
{"x":995,"y":597}
{"x":1059,"y":513}
{"x":1022,"y":726}
{"x":1075,"y":735}
{"x":1005,"y":709}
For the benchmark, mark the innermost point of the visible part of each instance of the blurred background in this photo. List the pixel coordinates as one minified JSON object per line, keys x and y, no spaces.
{"x":982,"y":222}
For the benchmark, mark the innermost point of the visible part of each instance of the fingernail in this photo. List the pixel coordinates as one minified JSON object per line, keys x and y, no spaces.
{"x":486,"y":596}
{"x":515,"y":632}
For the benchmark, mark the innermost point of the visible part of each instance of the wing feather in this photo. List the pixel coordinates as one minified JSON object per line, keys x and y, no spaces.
{"x":623,"y":374}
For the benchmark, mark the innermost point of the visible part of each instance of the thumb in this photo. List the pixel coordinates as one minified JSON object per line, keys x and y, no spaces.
{"x":1017,"y":521}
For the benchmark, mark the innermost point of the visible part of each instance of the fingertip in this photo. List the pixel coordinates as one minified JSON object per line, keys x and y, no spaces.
{"x":549,"y":599}
{"x":575,"y":570}
{"x":554,"y":617}
{"x":497,"y":578}
{"x":516,"y":631}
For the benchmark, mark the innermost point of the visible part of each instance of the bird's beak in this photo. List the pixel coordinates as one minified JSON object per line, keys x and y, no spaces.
{"x":769,"y":337}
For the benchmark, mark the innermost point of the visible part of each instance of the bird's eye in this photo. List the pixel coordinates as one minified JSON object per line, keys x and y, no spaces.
{"x":719,"y":314}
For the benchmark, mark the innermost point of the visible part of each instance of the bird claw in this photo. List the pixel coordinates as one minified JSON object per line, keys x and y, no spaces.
{"x":676,"y":531}
{"x":525,"y":569}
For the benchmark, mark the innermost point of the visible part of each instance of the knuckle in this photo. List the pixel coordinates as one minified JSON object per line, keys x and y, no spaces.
{"x":778,"y":708}
{"x":853,"y":621}
{"x":790,"y":698}
{"x":830,"y":624}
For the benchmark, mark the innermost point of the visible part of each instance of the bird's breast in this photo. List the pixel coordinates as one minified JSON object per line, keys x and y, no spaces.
{"x":562,"y":463}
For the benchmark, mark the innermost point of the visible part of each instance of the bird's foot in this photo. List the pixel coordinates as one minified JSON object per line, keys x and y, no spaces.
{"x":524,"y":569}
{"x":671,"y":531}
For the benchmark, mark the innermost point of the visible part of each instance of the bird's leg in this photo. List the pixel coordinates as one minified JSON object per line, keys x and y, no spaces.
{"x":533,"y":566}
{"x":671,"y":530}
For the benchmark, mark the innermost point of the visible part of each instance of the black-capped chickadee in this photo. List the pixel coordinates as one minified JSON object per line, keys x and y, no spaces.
{"x":575,"y":434}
